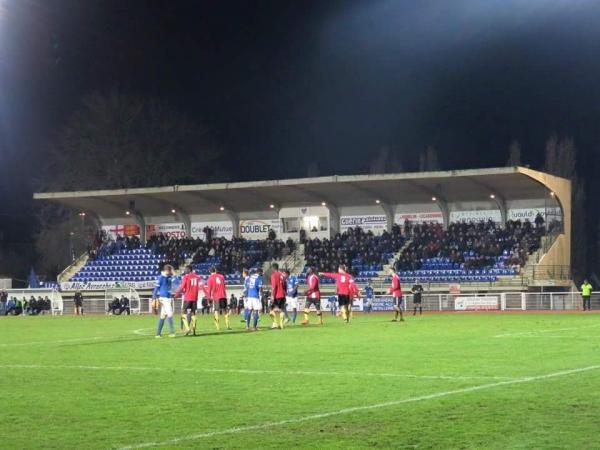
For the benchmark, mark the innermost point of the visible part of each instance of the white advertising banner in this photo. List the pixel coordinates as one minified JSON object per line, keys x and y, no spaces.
{"x":375,"y":223}
{"x":258,"y":228}
{"x":220,"y":229}
{"x":476,"y":215}
{"x":531,"y":213}
{"x":480,"y":303}
{"x":419,"y":217}
{"x":176,"y":230}
{"x":103,"y":285}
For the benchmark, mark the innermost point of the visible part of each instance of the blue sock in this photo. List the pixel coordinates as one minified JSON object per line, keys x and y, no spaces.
{"x":285,"y":313}
{"x":294,"y":315}
{"x":255,"y":319}
{"x":161,"y":322}
{"x":248,"y":315}
{"x":170,"y":323}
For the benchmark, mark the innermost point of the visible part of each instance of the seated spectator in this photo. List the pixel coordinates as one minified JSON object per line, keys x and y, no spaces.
{"x":114,"y":307}
{"x":124,"y":305}
{"x":10,"y":306}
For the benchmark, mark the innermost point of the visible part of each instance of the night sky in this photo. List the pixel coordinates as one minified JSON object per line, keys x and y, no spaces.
{"x":285,"y":83}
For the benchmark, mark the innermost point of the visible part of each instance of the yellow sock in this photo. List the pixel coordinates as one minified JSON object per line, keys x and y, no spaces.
{"x":272,"y":314}
{"x":306,"y":315}
{"x":194,"y":323}
{"x":281,"y":320}
{"x":350,"y":312}
{"x":217,"y":324}
{"x":186,"y":325}
{"x":227,"y":320}
{"x":320,"y":319}
{"x":344,"y":314}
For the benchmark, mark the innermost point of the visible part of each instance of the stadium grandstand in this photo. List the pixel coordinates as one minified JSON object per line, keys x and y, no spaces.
{"x":487,"y":230}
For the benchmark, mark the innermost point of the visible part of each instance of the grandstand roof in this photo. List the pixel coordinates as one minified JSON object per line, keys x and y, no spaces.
{"x":349,"y":190}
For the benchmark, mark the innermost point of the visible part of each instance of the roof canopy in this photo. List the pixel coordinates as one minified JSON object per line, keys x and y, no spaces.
{"x":508,"y":183}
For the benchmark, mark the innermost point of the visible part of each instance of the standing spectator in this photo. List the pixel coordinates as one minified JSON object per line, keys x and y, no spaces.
{"x":417,"y":291}
{"x":78,"y":300}
{"x":3,"y":301}
{"x":539,"y":221}
{"x":586,"y":292}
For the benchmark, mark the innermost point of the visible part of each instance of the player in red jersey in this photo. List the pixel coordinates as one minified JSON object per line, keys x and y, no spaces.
{"x":191,"y":287}
{"x":313,"y":296}
{"x":342,"y":289}
{"x":354,"y":294}
{"x":278,"y":293}
{"x":396,"y":291}
{"x":218,"y":296}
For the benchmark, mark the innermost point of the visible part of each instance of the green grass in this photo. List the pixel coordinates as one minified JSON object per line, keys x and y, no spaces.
{"x":91,"y":382}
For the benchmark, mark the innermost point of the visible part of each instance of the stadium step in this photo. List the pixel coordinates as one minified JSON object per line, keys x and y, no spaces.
{"x":386,"y":268}
{"x":71,"y":270}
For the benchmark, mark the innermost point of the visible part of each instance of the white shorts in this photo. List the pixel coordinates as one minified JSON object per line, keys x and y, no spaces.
{"x":246,"y":303}
{"x":254,"y":304}
{"x":166,"y":306}
{"x":292,"y":302}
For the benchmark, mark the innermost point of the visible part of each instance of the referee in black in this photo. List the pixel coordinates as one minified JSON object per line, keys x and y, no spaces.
{"x":417,"y":291}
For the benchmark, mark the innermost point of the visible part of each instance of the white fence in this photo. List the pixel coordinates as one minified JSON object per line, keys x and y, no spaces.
{"x":97,"y":302}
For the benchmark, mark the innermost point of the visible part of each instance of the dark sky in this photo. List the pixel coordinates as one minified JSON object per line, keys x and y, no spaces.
{"x":281,"y":83}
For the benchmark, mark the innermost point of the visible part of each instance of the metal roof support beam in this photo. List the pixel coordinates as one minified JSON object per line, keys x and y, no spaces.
{"x":334,"y":218}
{"x":235,"y":221}
{"x":389,"y":214}
{"x":501,"y":203}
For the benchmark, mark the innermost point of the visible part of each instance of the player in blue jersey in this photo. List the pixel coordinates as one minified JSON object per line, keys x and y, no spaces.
{"x":369,"y":296}
{"x":253,"y":290}
{"x":162,"y":292}
{"x":291,"y":294}
{"x":245,"y":295}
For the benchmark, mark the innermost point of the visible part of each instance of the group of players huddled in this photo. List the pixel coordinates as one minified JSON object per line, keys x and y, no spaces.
{"x":284,"y":296}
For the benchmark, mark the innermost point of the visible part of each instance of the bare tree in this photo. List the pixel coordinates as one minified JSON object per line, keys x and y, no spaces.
{"x":313,"y":169}
{"x":429,"y":160}
{"x":122,"y":141}
{"x":386,"y":161}
{"x":116,"y":141}
{"x":514,"y":154}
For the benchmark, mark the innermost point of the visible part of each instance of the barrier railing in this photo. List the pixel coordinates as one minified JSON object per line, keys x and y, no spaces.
{"x":502,"y":301}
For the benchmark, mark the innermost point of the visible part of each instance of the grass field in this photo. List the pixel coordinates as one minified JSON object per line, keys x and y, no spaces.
{"x":437,"y":381}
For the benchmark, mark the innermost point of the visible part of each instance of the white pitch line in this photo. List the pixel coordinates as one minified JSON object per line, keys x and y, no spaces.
{"x":62,"y":341}
{"x":551,"y":330}
{"x":354,"y":409}
{"x":250,"y":371}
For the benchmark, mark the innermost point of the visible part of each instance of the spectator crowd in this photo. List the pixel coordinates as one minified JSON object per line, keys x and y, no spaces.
{"x":476,"y":244}
{"x":13,"y":306}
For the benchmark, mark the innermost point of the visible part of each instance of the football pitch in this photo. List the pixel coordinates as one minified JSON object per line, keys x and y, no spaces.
{"x":462,"y":380}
